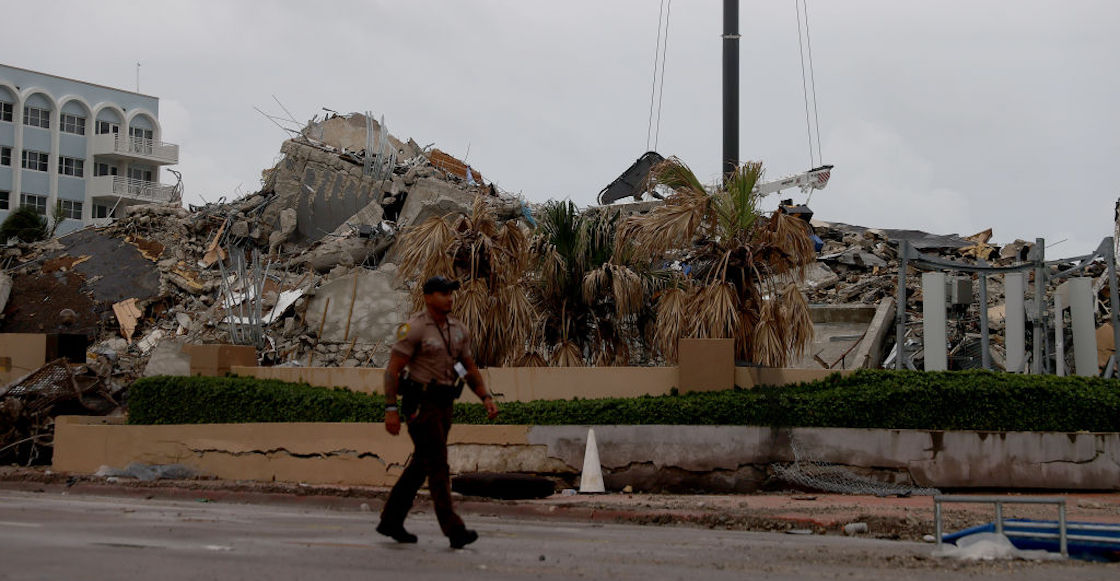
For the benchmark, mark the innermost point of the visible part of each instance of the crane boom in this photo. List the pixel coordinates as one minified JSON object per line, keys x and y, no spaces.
{"x":814,"y":179}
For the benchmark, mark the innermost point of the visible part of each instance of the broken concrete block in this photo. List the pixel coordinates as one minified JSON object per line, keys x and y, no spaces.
{"x":819,"y":276}
{"x":337,"y":252}
{"x":430,"y":197}
{"x":312,"y":182}
{"x":5,"y":290}
{"x":369,"y":216}
{"x":240,"y":229}
{"x":1016,"y":251}
{"x":288,"y":221}
{"x":379,"y":307}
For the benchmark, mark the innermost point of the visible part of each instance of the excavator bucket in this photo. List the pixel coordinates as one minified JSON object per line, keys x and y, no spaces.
{"x":634,"y":181}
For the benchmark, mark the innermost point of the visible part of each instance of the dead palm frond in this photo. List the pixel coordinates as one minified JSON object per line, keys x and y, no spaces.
{"x":515,"y":315}
{"x":627,"y":290}
{"x":768,"y":347}
{"x":799,"y":321}
{"x":472,"y":307}
{"x":423,"y":245}
{"x":530,"y":359}
{"x":669,"y":327}
{"x":673,"y":224}
{"x":716,"y":308}
{"x":567,"y":354}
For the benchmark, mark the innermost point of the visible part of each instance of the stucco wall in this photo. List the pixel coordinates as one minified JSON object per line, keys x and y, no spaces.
{"x":698,"y":458}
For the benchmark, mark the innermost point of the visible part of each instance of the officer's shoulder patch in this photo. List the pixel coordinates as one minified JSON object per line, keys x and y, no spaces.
{"x":402,"y":331}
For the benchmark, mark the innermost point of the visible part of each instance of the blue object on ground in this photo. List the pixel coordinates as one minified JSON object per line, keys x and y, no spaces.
{"x":1088,"y":541}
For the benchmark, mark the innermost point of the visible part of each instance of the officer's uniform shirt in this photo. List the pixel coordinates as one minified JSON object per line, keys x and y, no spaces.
{"x":424,"y":342}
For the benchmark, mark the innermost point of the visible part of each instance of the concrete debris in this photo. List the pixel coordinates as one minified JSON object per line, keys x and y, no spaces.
{"x":5,"y":290}
{"x":127,"y":315}
{"x":29,"y":405}
{"x":322,"y":228}
{"x":866,"y":263}
{"x":148,"y":472}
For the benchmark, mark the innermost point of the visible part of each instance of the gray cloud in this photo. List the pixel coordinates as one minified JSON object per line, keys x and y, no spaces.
{"x":947,"y":116}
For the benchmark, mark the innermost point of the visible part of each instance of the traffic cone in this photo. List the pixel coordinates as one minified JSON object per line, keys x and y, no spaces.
{"x":591,"y":481}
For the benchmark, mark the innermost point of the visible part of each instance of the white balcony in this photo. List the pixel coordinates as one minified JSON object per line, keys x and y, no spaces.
{"x":112,"y":188}
{"x":123,"y":147}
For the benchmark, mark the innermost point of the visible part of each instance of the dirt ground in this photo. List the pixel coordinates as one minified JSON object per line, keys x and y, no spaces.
{"x":893,"y":518}
{"x":37,"y":301}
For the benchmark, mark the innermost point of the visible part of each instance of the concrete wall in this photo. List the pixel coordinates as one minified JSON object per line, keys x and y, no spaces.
{"x":20,"y":354}
{"x":677,"y":458}
{"x":531,"y":383}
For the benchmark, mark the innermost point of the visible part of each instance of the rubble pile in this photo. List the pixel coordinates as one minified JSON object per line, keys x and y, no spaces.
{"x":302,"y":269}
{"x":28,"y":406}
{"x":860,"y":265}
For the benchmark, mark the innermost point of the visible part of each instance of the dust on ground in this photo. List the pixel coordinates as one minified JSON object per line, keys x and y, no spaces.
{"x":892,"y":518}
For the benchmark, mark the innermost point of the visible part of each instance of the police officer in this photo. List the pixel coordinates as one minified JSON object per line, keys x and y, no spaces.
{"x":435,"y":348}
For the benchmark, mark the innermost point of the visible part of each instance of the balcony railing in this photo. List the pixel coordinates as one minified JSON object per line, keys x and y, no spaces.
{"x":135,"y":147}
{"x":130,"y":189}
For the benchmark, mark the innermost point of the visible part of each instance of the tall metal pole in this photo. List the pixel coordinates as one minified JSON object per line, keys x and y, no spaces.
{"x":730,"y":86}
{"x":1039,"y":256}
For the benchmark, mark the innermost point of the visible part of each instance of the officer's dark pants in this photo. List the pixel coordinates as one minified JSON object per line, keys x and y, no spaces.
{"x":428,"y":431}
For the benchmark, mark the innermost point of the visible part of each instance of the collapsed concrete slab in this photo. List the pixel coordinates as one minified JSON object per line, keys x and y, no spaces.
{"x":431,"y":197}
{"x":365,"y":307}
{"x":324,"y":189}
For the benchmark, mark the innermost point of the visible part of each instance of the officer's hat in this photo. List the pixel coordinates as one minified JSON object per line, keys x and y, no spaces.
{"x":439,"y":284}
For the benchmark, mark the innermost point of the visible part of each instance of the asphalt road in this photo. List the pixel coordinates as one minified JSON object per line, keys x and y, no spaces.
{"x":56,"y":536}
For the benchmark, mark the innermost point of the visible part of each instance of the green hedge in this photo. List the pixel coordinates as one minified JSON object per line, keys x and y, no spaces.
{"x":969,"y":400}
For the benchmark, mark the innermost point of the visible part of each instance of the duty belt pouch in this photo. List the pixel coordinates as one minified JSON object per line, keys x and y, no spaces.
{"x":442,"y":394}
{"x":410,"y":392}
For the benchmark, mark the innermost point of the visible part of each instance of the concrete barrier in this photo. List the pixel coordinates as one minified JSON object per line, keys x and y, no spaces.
{"x":649,"y":458}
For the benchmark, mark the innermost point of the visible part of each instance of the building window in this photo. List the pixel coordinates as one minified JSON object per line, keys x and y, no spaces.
{"x":35,"y":160}
{"x":73,"y":124}
{"x":70,"y":166}
{"x":140,"y":133}
{"x":100,"y":211}
{"x":5,"y":111}
{"x":104,"y":127}
{"x":37,"y":202}
{"x":144,"y":175}
{"x":104,"y":169}
{"x":37,"y":117}
{"x":71,"y":209}
{"x":4,"y":203}
{"x":5,"y":156}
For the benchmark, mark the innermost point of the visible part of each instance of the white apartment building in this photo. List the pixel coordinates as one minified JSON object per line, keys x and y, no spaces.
{"x":88,"y":149}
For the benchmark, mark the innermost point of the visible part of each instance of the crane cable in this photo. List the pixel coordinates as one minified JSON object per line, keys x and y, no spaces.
{"x":658,"y":92}
{"x":805,"y":45}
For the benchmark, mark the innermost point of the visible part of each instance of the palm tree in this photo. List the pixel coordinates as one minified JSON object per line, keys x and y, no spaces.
{"x":732,"y":258}
{"x":491,"y":260}
{"x":593,"y":302}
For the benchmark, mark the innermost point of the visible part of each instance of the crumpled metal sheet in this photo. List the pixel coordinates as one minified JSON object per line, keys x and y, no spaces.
{"x":44,"y":387}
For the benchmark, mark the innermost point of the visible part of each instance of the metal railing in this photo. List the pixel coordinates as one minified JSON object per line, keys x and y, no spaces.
{"x":137,"y":147}
{"x":123,"y":187}
{"x":999,"y":501}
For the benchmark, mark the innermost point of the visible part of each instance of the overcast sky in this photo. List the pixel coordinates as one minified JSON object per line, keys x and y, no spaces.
{"x":949,"y":116}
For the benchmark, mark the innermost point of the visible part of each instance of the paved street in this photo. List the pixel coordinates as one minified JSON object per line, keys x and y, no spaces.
{"x":56,"y":536}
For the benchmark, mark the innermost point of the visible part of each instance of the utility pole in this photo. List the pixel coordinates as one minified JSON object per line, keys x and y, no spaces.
{"x":730,"y":86}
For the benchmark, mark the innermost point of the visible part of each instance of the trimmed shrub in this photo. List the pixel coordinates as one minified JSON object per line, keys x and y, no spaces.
{"x":950,"y":400}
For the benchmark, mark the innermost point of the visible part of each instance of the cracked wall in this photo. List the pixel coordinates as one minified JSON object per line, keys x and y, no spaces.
{"x":670,"y":458}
